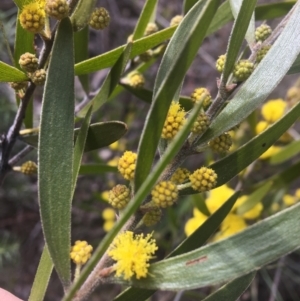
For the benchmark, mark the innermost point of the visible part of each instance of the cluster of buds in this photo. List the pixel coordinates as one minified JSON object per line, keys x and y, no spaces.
{"x":100,"y":18}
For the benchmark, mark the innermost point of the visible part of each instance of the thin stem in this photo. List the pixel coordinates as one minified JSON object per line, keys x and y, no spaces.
{"x":26,"y":150}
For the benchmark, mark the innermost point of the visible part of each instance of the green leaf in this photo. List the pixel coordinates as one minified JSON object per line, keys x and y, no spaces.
{"x":11,"y":74}
{"x":81,"y":41}
{"x":110,"y":82}
{"x":136,"y":201}
{"x":55,"y":151}
{"x":108,"y":59}
{"x":286,"y":153}
{"x":24,"y":42}
{"x":82,"y":13}
{"x":263,"y":80}
{"x":42,"y":277}
{"x":287,"y":176}
{"x":194,"y":241}
{"x":231,"y":165}
{"x":237,"y":36}
{"x":247,"y":251}
{"x":96,"y":169}
{"x":250,"y":34}
{"x":179,"y":55}
{"x":295,"y":67}
{"x":144,"y":19}
{"x":254,"y":198}
{"x":80,"y":145}
{"x":188,"y":4}
{"x":20,"y":3}
{"x":222,"y":17}
{"x":232,"y":290}
{"x":99,"y":135}
{"x":273,"y":10}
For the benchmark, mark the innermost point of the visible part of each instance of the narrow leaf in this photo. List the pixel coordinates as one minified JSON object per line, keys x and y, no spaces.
{"x":179,"y":55}
{"x":262,"y":81}
{"x":237,"y":36}
{"x":273,"y":10}
{"x":232,"y":290}
{"x":187,"y":5}
{"x":110,"y":82}
{"x":82,"y":13}
{"x":96,"y":169}
{"x":81,"y":41}
{"x":231,"y":165}
{"x":99,"y":135}
{"x":11,"y":74}
{"x":55,"y":151}
{"x":144,"y":19}
{"x":250,"y":34}
{"x":286,"y":153}
{"x":42,"y":277}
{"x":231,"y":258}
{"x":254,"y":198}
{"x":108,"y":59}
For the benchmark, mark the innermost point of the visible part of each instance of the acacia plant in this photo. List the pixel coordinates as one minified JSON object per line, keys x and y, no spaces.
{"x":176,"y":128}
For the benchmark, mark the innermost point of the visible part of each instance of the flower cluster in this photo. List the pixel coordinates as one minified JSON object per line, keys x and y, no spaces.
{"x":81,"y":252}
{"x":203,"y":179}
{"x":119,"y":196}
{"x":174,"y":121}
{"x":100,"y":18}
{"x":201,"y":94}
{"x":164,"y":194}
{"x":271,"y":112}
{"x":33,"y":17}
{"x":233,"y":223}
{"x":132,"y":254}
{"x":180,"y":175}
{"x":126,"y":165}
{"x":109,"y":216}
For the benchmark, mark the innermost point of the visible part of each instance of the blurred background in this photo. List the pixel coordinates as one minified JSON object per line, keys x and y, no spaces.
{"x":21,"y":238}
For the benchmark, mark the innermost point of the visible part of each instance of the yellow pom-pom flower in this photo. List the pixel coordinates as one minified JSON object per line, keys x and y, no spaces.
{"x":126,"y":165}
{"x":201,"y":124}
{"x":57,"y":9}
{"x":174,"y":121}
{"x":81,"y":252}
{"x":32,"y":17}
{"x":150,"y":29}
{"x":273,"y":110}
{"x":289,"y":200}
{"x":242,"y":70}
{"x":221,"y":144}
{"x":176,"y":20}
{"x":135,"y":79}
{"x":262,"y":32}
{"x":38,"y":77}
{"x":220,"y":63}
{"x":203,"y":179}
{"x":152,"y":217}
{"x":164,"y":194}
{"x":28,"y":62}
{"x":180,"y":175}
{"x":262,"y":52}
{"x":109,"y":216}
{"x":261,"y":126}
{"x":201,"y":94}
{"x":195,"y":222}
{"x":29,"y":168}
{"x":100,"y":18}
{"x":231,"y":225}
{"x":119,"y":196}
{"x":132,"y":254}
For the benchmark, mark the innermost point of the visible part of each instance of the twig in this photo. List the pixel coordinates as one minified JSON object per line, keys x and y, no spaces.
{"x":276,"y":279}
{"x":26,"y":150}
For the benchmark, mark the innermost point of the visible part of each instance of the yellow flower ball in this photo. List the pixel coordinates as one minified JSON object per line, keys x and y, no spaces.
{"x":32,"y":17}
{"x":195,"y":222}
{"x":164,"y":194}
{"x":203,"y":179}
{"x":126,"y":165}
{"x":261,"y":126}
{"x":108,"y":214}
{"x":289,"y":200}
{"x":273,"y":110}
{"x":81,"y":252}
